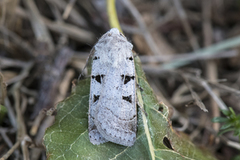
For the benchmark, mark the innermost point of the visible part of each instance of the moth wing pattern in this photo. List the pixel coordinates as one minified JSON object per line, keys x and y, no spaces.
{"x":112,"y":110}
{"x":94,"y":135}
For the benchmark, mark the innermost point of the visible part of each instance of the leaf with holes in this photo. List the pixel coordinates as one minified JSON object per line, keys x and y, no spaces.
{"x":68,"y":137}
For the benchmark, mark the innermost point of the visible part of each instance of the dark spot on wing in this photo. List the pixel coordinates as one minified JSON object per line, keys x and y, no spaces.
{"x":98,"y":78}
{"x":95,"y":58}
{"x":95,"y":98}
{"x":127,"y":98}
{"x":127,"y":78}
{"x":130,"y":58}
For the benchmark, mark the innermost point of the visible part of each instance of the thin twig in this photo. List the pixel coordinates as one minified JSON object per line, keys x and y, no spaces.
{"x":233,"y":144}
{"x":7,"y":62}
{"x":65,"y":85}
{"x":211,"y":67}
{"x":24,"y":73}
{"x":204,"y":83}
{"x":68,"y":9}
{"x":72,"y":31}
{"x":41,"y":32}
{"x":36,"y":123}
{"x":182,"y":15}
{"x":219,"y":101}
{"x":5,"y":137}
{"x":37,"y":151}
{"x":19,"y":42}
{"x":3,"y":89}
{"x":21,"y":133}
{"x":195,"y":96}
{"x":187,"y":57}
{"x":10,"y":112}
{"x":137,"y":16}
{"x":198,"y":80}
{"x":24,"y":145}
{"x":213,"y":49}
{"x":9,"y":153}
{"x":225,"y":88}
{"x":3,"y":12}
{"x":63,"y":39}
{"x":74,"y":16}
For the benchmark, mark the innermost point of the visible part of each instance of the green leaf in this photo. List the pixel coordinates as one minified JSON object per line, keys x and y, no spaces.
{"x":232,"y":111}
{"x":68,"y":137}
{"x":237,"y":132}
{"x":236,"y":157}
{"x":226,"y":112}
{"x":238,"y":116}
{"x":220,"y":119}
{"x":227,"y":125}
{"x":226,"y":130}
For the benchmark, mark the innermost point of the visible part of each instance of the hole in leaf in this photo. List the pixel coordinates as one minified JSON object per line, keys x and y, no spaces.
{"x":167,"y":143}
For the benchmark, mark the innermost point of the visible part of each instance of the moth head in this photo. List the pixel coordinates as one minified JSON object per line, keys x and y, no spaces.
{"x":116,"y":32}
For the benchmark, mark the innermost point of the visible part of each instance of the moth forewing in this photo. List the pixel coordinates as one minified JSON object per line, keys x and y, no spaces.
{"x":112,"y":110}
{"x":94,"y":135}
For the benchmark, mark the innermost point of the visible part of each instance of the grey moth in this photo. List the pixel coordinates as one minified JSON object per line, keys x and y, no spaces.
{"x":112,"y":102}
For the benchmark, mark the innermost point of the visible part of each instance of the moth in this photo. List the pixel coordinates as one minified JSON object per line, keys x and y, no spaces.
{"x":112,"y":102}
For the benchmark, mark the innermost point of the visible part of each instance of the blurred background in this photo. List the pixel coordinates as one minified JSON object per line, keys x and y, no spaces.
{"x":189,"y":51}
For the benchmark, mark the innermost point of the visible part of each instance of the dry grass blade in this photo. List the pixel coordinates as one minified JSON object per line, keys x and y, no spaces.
{"x":195,"y":96}
{"x":3,"y":91}
{"x":19,"y":42}
{"x":142,"y":26}
{"x":40,"y":30}
{"x":182,"y":15}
